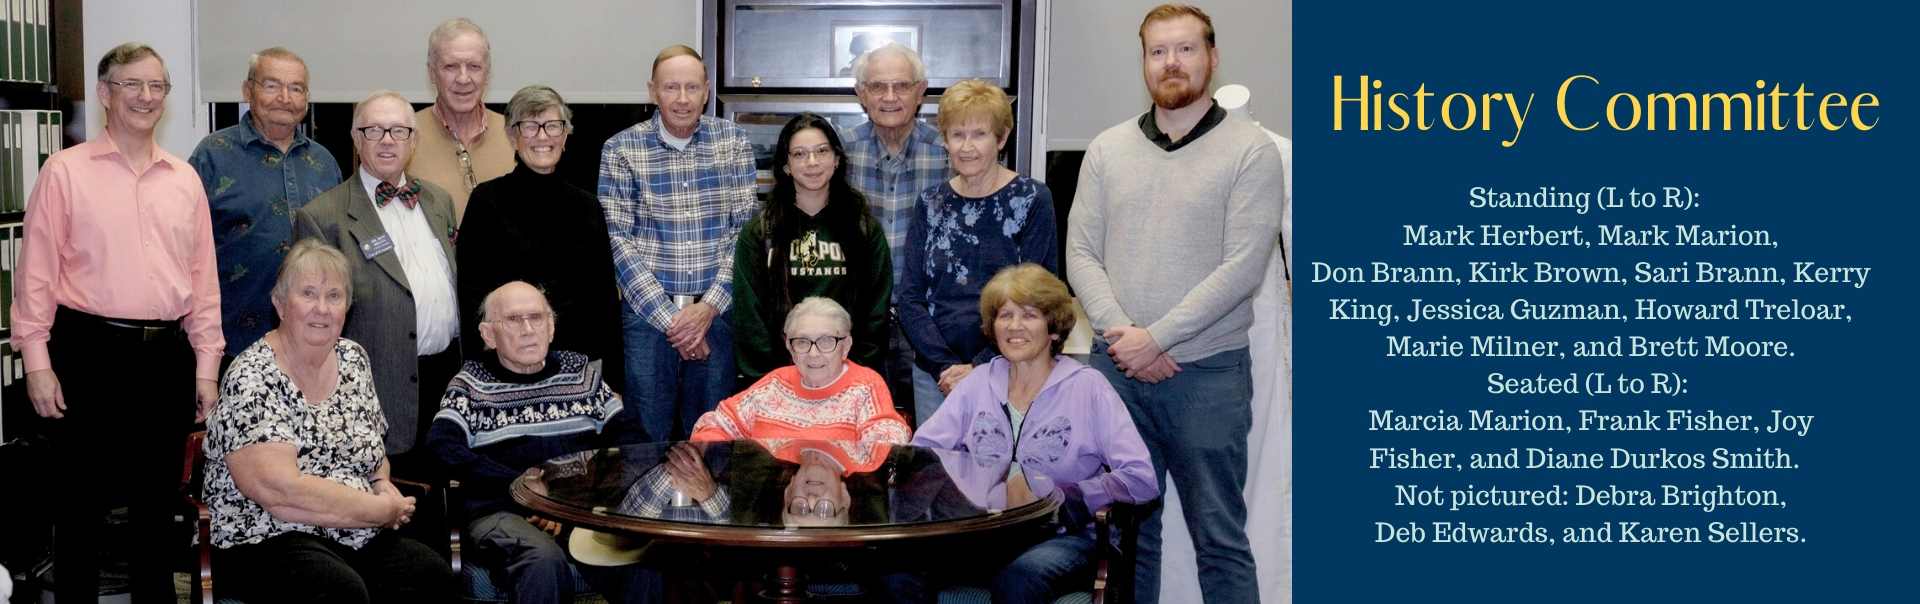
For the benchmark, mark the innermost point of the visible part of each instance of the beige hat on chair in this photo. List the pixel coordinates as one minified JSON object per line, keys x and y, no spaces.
{"x":598,"y":548}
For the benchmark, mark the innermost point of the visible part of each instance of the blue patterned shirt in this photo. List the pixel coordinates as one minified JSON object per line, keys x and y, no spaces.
{"x":252,"y":192}
{"x":956,"y":244}
{"x":673,"y":214}
{"x":893,"y":184}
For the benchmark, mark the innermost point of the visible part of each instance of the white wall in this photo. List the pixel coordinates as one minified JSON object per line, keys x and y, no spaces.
{"x":167,"y":26}
{"x":1094,"y":63}
{"x":592,"y":51}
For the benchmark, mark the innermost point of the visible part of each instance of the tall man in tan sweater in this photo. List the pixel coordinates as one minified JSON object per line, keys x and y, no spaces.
{"x":1168,"y":239}
{"x":460,"y":143}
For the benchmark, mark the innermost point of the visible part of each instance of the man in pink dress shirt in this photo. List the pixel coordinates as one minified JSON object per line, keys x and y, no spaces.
{"x":117,"y":304}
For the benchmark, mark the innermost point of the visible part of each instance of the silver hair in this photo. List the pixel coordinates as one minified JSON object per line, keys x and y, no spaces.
{"x":487,"y":302}
{"x":277,"y":52}
{"x":892,"y":48}
{"x":820,"y":307}
{"x":450,"y":29}
{"x":309,"y":256}
{"x":534,"y":100}
{"x":361,"y":107}
{"x":446,"y":32}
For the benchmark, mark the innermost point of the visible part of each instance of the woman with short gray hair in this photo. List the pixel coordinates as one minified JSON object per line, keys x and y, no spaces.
{"x":532,"y":225}
{"x":821,"y":396}
{"x":297,"y":475}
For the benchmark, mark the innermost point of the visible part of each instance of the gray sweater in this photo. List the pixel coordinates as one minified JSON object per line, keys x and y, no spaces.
{"x":1176,"y":242}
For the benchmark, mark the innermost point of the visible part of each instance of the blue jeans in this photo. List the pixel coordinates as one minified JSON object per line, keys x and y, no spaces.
{"x":1195,"y":425}
{"x":926,"y":396}
{"x":671,"y":393}
{"x":1061,"y":564}
{"x":1045,"y":570}
{"x":899,"y":370}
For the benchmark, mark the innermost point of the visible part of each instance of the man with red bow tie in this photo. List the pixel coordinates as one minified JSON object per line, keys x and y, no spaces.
{"x":397,"y":234}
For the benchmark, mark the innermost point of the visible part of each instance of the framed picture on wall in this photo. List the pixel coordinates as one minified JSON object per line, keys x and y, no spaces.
{"x":852,"y":39}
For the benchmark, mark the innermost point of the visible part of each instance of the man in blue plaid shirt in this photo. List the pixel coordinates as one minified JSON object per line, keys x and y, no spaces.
{"x":676,"y":189}
{"x":891,"y":159}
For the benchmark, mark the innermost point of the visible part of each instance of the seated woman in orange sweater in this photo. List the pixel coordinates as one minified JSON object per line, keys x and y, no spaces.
{"x":821,"y":396}
{"x":824,"y":412}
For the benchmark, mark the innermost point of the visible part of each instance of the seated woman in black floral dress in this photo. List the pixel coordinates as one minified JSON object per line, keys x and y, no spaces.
{"x":296,"y":466}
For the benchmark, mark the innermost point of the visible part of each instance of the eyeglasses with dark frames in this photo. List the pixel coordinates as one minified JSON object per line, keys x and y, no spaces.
{"x":373,"y":134}
{"x":822,"y":344}
{"x":530,"y":129}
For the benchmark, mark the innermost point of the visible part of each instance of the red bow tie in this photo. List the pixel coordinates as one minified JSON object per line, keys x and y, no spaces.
{"x":386,"y":192}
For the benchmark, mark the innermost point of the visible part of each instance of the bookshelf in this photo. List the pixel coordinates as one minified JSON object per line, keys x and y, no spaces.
{"x":41,"y":75}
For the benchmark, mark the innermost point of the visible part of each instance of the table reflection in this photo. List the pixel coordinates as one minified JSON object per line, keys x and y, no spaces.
{"x":777,"y":484}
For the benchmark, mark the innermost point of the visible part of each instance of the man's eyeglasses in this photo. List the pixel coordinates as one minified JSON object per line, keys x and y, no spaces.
{"x":157,"y":87}
{"x":374,"y":133}
{"x":466,"y":164}
{"x":529,"y":129}
{"x":822,"y":344}
{"x":533,"y":321}
{"x":800,"y":155}
{"x":882,"y":88}
{"x":274,"y":87}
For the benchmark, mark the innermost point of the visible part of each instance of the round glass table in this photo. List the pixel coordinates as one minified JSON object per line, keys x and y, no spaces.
{"x":781,"y":501}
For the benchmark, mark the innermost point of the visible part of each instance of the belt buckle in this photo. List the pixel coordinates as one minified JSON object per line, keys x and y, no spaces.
{"x":147,"y":333}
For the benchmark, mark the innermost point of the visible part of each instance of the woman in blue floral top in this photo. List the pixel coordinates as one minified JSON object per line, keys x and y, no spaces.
{"x":985,"y":218}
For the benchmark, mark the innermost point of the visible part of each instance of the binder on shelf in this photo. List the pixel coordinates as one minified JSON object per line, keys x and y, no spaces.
{"x":46,"y":41}
{"x":37,"y":40}
{"x":11,"y":132}
{"x":29,"y":44}
{"x":29,"y":150}
{"x":15,"y":36}
{"x":7,"y":260}
{"x":9,"y":157}
{"x":6,"y":41}
{"x":52,"y":134}
{"x":31,"y":25}
{"x":8,"y":201}
{"x":6,"y":373}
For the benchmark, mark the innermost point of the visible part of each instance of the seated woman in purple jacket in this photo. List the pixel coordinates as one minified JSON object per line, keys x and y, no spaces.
{"x":1052,"y":421}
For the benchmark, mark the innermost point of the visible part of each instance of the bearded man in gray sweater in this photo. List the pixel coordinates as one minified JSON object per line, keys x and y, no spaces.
{"x":1175,"y":217}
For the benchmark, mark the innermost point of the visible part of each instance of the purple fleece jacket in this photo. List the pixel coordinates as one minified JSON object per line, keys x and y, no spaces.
{"x":1076,"y":432}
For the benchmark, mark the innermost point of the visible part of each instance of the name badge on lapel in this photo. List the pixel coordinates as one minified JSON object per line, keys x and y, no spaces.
{"x":377,"y":246}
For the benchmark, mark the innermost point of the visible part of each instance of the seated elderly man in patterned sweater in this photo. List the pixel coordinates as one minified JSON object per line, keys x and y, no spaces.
{"x":506,"y":413}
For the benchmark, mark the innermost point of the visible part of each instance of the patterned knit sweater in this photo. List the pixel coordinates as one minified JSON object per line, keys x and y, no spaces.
{"x":493,"y":424}
{"x":778,"y":409}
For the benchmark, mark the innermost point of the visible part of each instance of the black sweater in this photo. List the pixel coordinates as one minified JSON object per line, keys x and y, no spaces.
{"x":537,"y":228}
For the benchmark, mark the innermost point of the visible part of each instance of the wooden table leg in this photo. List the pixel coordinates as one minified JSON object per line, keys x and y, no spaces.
{"x":787,"y":586}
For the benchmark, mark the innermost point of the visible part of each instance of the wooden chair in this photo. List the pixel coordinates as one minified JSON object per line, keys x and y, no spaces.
{"x":193,"y":476}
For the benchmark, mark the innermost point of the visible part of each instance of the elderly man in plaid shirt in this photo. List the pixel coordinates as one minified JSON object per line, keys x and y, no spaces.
{"x":676,"y":189}
{"x":891,"y":159}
